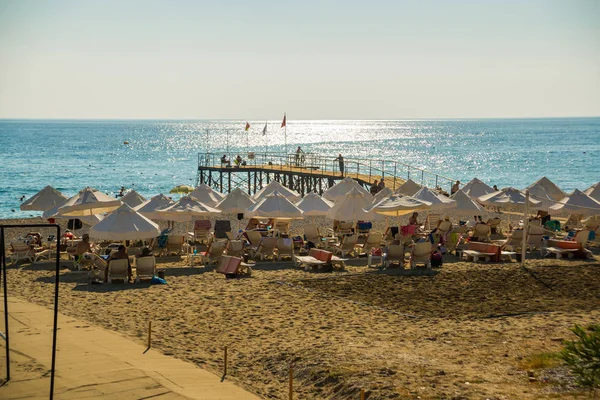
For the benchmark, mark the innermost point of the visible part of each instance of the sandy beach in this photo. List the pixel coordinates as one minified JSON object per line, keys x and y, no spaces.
{"x":466,"y":330}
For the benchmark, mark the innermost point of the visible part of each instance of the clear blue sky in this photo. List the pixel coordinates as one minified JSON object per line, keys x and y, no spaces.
{"x":312,"y":59}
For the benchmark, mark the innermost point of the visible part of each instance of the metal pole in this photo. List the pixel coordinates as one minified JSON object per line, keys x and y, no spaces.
{"x":525,"y":228}
{"x":3,"y":253}
{"x":55,"y":330}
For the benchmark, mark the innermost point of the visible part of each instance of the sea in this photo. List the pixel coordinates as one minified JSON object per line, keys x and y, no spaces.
{"x":152,"y":156}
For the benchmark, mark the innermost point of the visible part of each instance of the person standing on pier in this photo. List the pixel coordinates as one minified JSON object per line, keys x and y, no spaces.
{"x":299,"y":157}
{"x":340,"y":159}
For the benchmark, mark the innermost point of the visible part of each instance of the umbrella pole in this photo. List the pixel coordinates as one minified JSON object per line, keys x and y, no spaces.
{"x":525,"y":226}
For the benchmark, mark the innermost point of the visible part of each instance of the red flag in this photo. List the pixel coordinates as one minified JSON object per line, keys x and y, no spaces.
{"x":247,"y":126}
{"x":283,"y":123}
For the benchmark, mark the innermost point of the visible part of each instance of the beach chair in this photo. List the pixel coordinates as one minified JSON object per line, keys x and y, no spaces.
{"x":515,"y":240}
{"x":202,"y":230}
{"x":235,"y":248}
{"x":346,"y":246}
{"x":311,"y":234}
{"x":363,"y":227}
{"x":145,"y":267}
{"x":266,"y":248}
{"x":444,"y":227}
{"x":494,"y":224}
{"x":232,"y":267}
{"x":571,"y":248}
{"x":221,"y":228}
{"x":373,"y":241}
{"x":394,"y":255}
{"x":230,"y":235}
{"x":420,"y":253}
{"x":453,"y":239}
{"x":535,"y":236}
{"x":175,"y":244}
{"x":390,"y":234}
{"x":252,"y":224}
{"x":574,"y":221}
{"x":481,"y":233}
{"x":592,"y":223}
{"x":316,"y":258}
{"x":213,"y":253}
{"x":21,"y":251}
{"x":281,"y":227}
{"x":285,"y":247}
{"x":432,"y":221}
{"x":118,"y":269}
{"x":342,"y":228}
{"x":254,"y":238}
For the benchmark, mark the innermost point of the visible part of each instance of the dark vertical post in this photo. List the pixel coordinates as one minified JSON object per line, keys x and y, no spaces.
{"x":249,"y":181}
{"x":221,"y":181}
{"x":55,"y":330}
{"x":228,"y":181}
{"x":3,"y":253}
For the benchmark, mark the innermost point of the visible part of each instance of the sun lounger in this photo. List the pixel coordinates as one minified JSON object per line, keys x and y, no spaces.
{"x":145,"y":267}
{"x":346,"y":246}
{"x":221,"y":228}
{"x":432,"y":221}
{"x":481,"y":233}
{"x":394,"y":255}
{"x":266,"y":248}
{"x":311,"y":234}
{"x":202,"y":230}
{"x":174,"y":244}
{"x":233,"y":266}
{"x":118,"y":269}
{"x":316,"y":258}
{"x":213,"y":253}
{"x":571,"y":248}
{"x":235,"y":248}
{"x":494,"y":224}
{"x":285,"y":247}
{"x":574,"y":221}
{"x":373,"y":241}
{"x":420,"y":253}
{"x":21,"y":251}
{"x":478,"y":250}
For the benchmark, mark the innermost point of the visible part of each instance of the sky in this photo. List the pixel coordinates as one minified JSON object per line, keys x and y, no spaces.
{"x":255,"y":60}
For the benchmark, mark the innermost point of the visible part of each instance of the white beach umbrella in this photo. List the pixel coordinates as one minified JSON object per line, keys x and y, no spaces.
{"x":43,"y":200}
{"x":545,"y":188}
{"x":546,"y":200}
{"x":133,"y":199}
{"x":275,"y":186}
{"x":382,"y":194}
{"x":205,"y":187}
{"x":340,"y":189}
{"x":409,"y":188}
{"x":579,"y":203}
{"x":186,"y":209}
{"x":125,"y":224}
{"x":89,"y":202}
{"x":150,"y":207}
{"x":236,"y":202}
{"x":90,"y":220}
{"x":314,"y":205}
{"x":507,"y":198}
{"x":275,"y":205}
{"x":594,"y":191}
{"x":438,"y":201}
{"x":205,"y":194}
{"x":352,"y":207}
{"x":465,"y":205}
{"x":476,"y":188}
{"x":398,"y":204}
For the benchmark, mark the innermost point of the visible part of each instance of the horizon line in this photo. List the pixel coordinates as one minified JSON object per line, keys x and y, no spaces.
{"x":317,"y":119}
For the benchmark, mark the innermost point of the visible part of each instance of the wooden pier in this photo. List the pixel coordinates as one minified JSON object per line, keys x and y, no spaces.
{"x":304,"y":174}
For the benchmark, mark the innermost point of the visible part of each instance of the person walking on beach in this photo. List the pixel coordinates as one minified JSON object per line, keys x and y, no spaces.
{"x":340,"y":159}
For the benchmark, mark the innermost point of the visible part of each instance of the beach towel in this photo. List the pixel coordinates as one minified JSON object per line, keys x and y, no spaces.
{"x":158,"y":281}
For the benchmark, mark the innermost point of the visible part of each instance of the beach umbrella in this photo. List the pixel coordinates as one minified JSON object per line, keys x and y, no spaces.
{"x":438,"y":201}
{"x":476,"y":188}
{"x":186,"y":209}
{"x":181,"y":189}
{"x":399,"y":204}
{"x":409,"y":188}
{"x":205,"y":194}
{"x":150,"y":207}
{"x":382,"y":194}
{"x":133,"y":199}
{"x":89,"y":202}
{"x":236,"y":202}
{"x":507,"y":198}
{"x":353,"y":207}
{"x":465,"y":205}
{"x":579,"y":203}
{"x":544,"y":188}
{"x":594,"y":191}
{"x":43,"y":200}
{"x":546,"y":200}
{"x":275,"y":186}
{"x":275,"y":205}
{"x":340,"y":189}
{"x":90,"y":220}
{"x":314,"y":205}
{"x":125,"y":224}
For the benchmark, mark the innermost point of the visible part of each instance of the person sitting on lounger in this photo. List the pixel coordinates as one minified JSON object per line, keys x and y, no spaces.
{"x":83,"y":247}
{"x":121,"y":254}
{"x":413,"y":219}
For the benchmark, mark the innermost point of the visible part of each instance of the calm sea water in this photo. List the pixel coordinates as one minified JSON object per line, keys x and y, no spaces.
{"x":73,"y":154}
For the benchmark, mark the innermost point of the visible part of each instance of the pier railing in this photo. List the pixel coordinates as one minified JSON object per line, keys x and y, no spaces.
{"x":394,"y":172}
